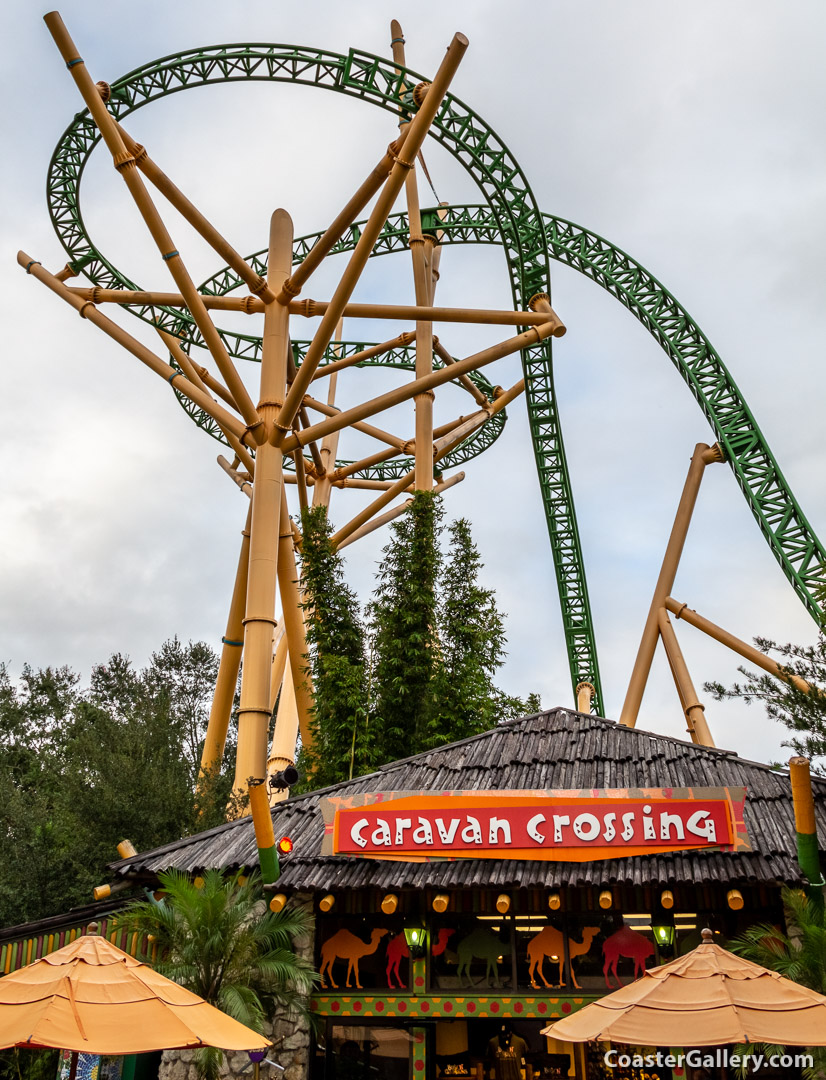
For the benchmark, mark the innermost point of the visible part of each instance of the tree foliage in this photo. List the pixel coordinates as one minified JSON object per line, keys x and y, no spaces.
{"x":335,"y":635}
{"x":436,"y":640}
{"x":219,"y":940}
{"x":803,"y":714}
{"x":83,"y":768}
{"x":798,"y":954}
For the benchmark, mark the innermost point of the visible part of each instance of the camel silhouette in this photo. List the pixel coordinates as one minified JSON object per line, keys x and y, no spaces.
{"x":551,"y":942}
{"x":346,"y":946}
{"x":625,"y":942}
{"x":486,"y":946}
{"x":397,"y":950}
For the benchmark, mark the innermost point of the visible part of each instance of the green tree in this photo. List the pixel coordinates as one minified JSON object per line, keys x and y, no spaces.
{"x":472,"y":648}
{"x":803,"y":714}
{"x":222,"y":943}
{"x":404,"y":633}
{"x":335,"y":635}
{"x":82,"y":769}
{"x":798,"y":954}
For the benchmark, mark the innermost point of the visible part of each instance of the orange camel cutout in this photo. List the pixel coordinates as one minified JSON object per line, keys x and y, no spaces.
{"x":551,"y":942}
{"x":346,"y":946}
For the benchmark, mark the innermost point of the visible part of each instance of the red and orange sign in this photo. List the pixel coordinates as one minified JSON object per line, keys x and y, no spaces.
{"x":572,"y":826}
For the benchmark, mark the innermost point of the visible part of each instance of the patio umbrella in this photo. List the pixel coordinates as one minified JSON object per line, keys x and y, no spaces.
{"x":91,"y":997}
{"x":706,"y":998}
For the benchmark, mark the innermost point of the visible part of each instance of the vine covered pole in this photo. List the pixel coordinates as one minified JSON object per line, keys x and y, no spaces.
{"x":424,"y":327}
{"x":125,"y":164}
{"x":229,"y":665}
{"x":702,"y":456}
{"x":293,"y":614}
{"x":329,"y":446}
{"x":416,"y":133}
{"x":259,"y":622}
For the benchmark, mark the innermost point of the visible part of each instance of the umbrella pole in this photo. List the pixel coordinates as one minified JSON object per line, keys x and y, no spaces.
{"x":73,"y":1065}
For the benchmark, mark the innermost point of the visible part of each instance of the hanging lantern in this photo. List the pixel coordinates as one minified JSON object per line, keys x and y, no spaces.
{"x":554,"y":901}
{"x":606,"y":899}
{"x":667,"y":899}
{"x":734,"y":899}
{"x":503,"y":903}
{"x":441,"y":903}
{"x":389,"y":903}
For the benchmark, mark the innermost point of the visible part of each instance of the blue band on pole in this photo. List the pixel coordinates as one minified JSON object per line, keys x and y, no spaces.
{"x":227,"y":641}
{"x":71,"y":63}
{"x":31,"y":263}
{"x":174,"y":375}
{"x":171,"y":255}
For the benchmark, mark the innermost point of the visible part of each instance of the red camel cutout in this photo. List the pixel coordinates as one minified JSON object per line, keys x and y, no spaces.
{"x":625,"y":942}
{"x":397,"y":950}
{"x":346,"y":946}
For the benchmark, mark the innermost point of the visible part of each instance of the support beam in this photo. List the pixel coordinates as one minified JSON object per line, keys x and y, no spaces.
{"x":365,"y":429}
{"x":397,"y":511}
{"x":254,"y":712}
{"x":429,"y":382}
{"x":125,"y":164}
{"x":748,"y":652}
{"x":156,"y":176}
{"x":703,"y":455}
{"x":359,"y":357}
{"x":87,"y":310}
{"x":416,"y":133}
{"x":693,"y":709}
{"x":468,"y":384}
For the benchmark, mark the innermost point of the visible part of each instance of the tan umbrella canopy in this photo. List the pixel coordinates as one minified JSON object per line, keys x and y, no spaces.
{"x":91,"y":997}
{"x":706,"y":998}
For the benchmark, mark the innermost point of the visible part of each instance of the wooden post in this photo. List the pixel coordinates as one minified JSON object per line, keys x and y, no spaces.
{"x":254,"y":713}
{"x":703,"y":455}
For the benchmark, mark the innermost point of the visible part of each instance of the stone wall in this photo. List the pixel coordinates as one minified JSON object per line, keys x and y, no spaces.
{"x":289,"y":1032}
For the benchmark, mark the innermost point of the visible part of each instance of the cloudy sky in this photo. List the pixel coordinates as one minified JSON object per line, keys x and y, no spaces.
{"x":688,"y":134}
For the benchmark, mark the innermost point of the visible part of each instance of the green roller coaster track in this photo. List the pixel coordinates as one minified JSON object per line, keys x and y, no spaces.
{"x":510,"y":218}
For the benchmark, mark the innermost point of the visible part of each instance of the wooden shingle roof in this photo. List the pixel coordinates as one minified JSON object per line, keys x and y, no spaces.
{"x":555,"y":749}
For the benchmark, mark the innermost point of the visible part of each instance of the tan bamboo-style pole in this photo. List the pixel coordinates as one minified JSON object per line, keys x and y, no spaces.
{"x":279,"y":662}
{"x":364,"y":354}
{"x":429,"y":382}
{"x":364,"y":463}
{"x":314,"y":258}
{"x":196,"y":219}
{"x":416,"y":133}
{"x":585,"y":692}
{"x":210,"y":382}
{"x":293,"y":615}
{"x":366,"y":429}
{"x":125,"y":164}
{"x":285,"y":735}
{"x":300,"y":479}
{"x":87,"y":310}
{"x":424,"y":327}
{"x":703,"y":455}
{"x":364,"y":485}
{"x":468,"y":383}
{"x":694,"y":710}
{"x":329,"y":449}
{"x":254,"y":712}
{"x":748,"y":652}
{"x":311,"y":309}
{"x":235,"y":476}
{"x":229,"y":665}
{"x":310,"y":481}
{"x":201,"y":377}
{"x":397,"y":511}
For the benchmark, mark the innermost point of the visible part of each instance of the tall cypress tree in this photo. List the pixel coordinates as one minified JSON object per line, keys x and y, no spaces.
{"x":404,"y":638}
{"x":472,"y":635}
{"x":335,"y":634}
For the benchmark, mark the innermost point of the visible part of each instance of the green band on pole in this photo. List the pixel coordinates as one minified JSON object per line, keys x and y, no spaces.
{"x":268,"y":861}
{"x":808,"y":856}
